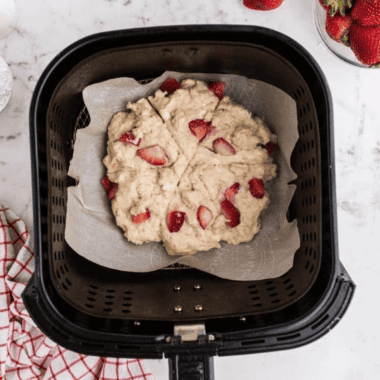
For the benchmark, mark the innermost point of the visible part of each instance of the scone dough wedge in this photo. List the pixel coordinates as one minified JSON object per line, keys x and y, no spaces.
{"x":218,"y":181}
{"x":200,"y":212}
{"x":232,"y":141}
{"x":141,"y":201}
{"x":141,"y":141}
{"x":193,"y":103}
{"x":230,"y":115}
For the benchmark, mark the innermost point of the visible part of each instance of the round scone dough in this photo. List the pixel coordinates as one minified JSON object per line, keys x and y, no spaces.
{"x":197,"y":175}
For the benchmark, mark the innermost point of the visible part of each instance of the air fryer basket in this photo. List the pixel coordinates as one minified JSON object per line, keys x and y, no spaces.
{"x":93,"y":290}
{"x":89,"y":308}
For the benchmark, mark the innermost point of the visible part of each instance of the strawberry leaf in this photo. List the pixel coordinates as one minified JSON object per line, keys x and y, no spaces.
{"x":336,"y":5}
{"x":345,"y":40}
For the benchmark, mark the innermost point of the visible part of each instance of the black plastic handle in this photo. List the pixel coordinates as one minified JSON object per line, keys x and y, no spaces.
{"x":191,"y":367}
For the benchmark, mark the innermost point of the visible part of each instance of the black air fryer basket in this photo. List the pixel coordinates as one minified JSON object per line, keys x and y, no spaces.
{"x":181,"y":313}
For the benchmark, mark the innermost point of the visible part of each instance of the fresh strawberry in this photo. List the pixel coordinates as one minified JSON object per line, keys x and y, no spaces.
{"x":130,"y":139}
{"x":366,"y":12}
{"x":256,"y":187}
{"x":170,"y":85}
{"x":110,"y":187}
{"x":175,"y":220}
{"x":270,"y":147}
{"x":262,"y":5}
{"x":365,"y":43}
{"x":155,"y":155}
{"x":204,"y":216}
{"x":231,"y":192}
{"x":337,"y":27}
{"x":325,"y":7}
{"x":223,"y":147}
{"x":217,"y":88}
{"x":231,"y":213}
{"x":200,"y":128}
{"x":142,"y":217}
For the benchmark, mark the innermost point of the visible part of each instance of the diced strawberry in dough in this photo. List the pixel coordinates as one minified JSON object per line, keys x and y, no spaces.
{"x":231,"y":192}
{"x":204,"y":216}
{"x":110,"y":187}
{"x":155,"y":155}
{"x":217,"y":88}
{"x":231,"y":213}
{"x":170,"y":86}
{"x":257,"y":188}
{"x":129,"y":138}
{"x":270,"y":147}
{"x":141,"y":218}
{"x":223,"y":147}
{"x":175,"y":220}
{"x":200,"y":128}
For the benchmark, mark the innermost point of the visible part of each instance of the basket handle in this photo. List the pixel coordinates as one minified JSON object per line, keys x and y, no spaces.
{"x":191,"y":367}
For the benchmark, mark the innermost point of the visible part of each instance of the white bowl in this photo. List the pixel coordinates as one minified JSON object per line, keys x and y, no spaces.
{"x":5,"y":91}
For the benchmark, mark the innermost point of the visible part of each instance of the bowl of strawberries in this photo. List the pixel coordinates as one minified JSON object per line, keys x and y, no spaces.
{"x":350,"y":29}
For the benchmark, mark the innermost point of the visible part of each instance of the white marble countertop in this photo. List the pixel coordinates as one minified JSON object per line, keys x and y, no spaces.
{"x":45,"y":27}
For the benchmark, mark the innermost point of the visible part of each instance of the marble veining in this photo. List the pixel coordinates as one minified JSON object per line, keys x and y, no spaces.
{"x":45,"y":28}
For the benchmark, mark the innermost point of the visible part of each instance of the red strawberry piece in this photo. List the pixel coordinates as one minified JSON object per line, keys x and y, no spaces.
{"x":231,"y":213}
{"x":366,"y":12}
{"x":270,"y":147}
{"x":107,"y":184}
{"x":204,"y":216}
{"x":217,"y":88}
{"x":223,"y":147}
{"x":325,"y":7}
{"x":170,"y":86}
{"x":200,"y":128}
{"x":110,"y":187}
{"x":262,"y":5}
{"x":231,"y":192}
{"x":130,"y":139}
{"x":365,"y":43}
{"x":337,"y":27}
{"x":112,"y":193}
{"x":141,"y":218}
{"x":155,"y":155}
{"x":256,"y":186}
{"x":175,"y":220}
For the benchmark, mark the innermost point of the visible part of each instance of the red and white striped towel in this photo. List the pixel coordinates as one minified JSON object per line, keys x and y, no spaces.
{"x":25,"y":352}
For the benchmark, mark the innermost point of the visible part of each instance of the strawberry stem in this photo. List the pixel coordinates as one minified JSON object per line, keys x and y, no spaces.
{"x":345,"y":40}
{"x":336,"y":5}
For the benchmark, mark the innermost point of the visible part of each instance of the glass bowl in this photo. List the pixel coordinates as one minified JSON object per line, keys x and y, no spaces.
{"x":341,"y":51}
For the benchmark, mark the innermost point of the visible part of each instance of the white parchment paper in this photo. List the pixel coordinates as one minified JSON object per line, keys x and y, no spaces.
{"x":91,"y":229}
